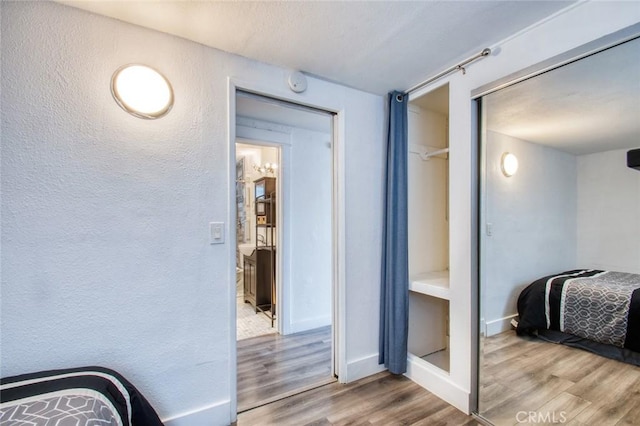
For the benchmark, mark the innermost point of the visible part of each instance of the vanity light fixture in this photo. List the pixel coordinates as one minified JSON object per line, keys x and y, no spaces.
{"x":266,"y":168}
{"x":509,"y":164}
{"x":142,"y":91}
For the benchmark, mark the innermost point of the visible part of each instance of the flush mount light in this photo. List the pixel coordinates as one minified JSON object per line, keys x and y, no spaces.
{"x":142,"y":91}
{"x":509,"y":164}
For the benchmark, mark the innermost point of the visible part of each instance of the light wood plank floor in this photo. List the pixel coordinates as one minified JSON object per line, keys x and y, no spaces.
{"x":272,"y":367}
{"x":529,"y":374}
{"x":382,"y":399}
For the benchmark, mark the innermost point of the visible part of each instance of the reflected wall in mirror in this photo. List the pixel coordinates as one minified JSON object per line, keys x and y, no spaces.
{"x":573,"y":205}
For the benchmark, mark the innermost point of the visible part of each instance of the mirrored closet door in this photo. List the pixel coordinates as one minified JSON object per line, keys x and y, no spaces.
{"x":560,"y":244}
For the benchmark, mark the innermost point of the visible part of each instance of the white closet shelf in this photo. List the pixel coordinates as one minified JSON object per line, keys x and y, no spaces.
{"x":435,"y":283}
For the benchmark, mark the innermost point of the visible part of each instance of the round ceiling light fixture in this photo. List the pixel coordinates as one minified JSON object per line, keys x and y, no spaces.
{"x":509,"y":164}
{"x":142,"y":91}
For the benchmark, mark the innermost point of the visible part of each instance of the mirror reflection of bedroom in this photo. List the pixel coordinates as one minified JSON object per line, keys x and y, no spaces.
{"x":560,"y":245}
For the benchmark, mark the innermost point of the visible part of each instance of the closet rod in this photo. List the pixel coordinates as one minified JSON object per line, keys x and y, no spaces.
{"x":425,"y":154}
{"x":436,"y":153}
{"x":460,"y":67}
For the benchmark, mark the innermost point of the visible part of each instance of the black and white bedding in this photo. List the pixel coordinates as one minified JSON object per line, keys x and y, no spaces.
{"x":80,"y":396}
{"x":592,"y":309}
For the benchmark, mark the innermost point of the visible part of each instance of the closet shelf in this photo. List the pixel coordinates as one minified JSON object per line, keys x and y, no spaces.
{"x":435,"y":283}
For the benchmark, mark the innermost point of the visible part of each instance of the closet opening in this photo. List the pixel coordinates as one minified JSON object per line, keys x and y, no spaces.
{"x":428,"y":204}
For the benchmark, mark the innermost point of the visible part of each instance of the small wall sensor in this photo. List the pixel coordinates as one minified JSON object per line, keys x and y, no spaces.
{"x":297,"y":82}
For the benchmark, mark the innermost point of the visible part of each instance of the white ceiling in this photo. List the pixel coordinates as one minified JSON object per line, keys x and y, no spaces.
{"x":376,"y":46}
{"x":588,"y":106}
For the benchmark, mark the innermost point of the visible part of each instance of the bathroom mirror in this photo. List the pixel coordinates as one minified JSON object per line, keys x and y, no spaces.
{"x":570,"y":208}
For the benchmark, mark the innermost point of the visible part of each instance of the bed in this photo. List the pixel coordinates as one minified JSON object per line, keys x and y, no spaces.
{"x":587,"y":308}
{"x":79,"y":396}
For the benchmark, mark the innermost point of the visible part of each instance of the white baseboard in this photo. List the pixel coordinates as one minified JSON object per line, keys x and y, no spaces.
{"x":361,"y":368}
{"x":211,"y":415}
{"x":499,"y":325}
{"x":437,"y":382}
{"x":309,"y":324}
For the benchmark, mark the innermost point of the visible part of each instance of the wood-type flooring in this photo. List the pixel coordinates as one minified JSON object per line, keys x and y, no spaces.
{"x":555,"y":383}
{"x":273,"y":366}
{"x":524,"y":381}
{"x":382,"y":399}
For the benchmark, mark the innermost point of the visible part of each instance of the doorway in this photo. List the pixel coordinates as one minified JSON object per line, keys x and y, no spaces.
{"x":257,"y":176}
{"x":284,"y":238}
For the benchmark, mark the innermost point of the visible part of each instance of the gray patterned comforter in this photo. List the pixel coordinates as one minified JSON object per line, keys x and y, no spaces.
{"x":602,"y":306}
{"x":88,"y":396}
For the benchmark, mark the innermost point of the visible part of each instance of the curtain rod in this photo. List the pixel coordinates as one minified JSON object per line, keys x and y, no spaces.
{"x":485,"y":52}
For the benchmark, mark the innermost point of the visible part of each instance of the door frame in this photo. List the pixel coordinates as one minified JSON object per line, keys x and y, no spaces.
{"x":338,"y":220}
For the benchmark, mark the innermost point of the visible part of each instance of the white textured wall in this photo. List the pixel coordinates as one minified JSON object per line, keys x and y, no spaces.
{"x":608,"y":212}
{"x":310,"y":221}
{"x":105,"y":250}
{"x":106,"y":258}
{"x":532,"y":216}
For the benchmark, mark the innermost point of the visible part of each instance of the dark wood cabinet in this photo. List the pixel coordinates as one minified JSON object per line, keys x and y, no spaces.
{"x":249,"y":266}
{"x":259,"y":271}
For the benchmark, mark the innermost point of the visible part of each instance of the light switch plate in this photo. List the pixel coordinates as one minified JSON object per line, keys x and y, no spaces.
{"x":216,"y":232}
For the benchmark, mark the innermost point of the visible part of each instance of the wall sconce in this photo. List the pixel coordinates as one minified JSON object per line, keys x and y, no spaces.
{"x":509,"y":164}
{"x":142,"y":91}
{"x":266,"y":168}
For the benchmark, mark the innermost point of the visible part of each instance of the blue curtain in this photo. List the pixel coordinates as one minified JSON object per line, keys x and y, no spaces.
{"x":394,"y":295}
